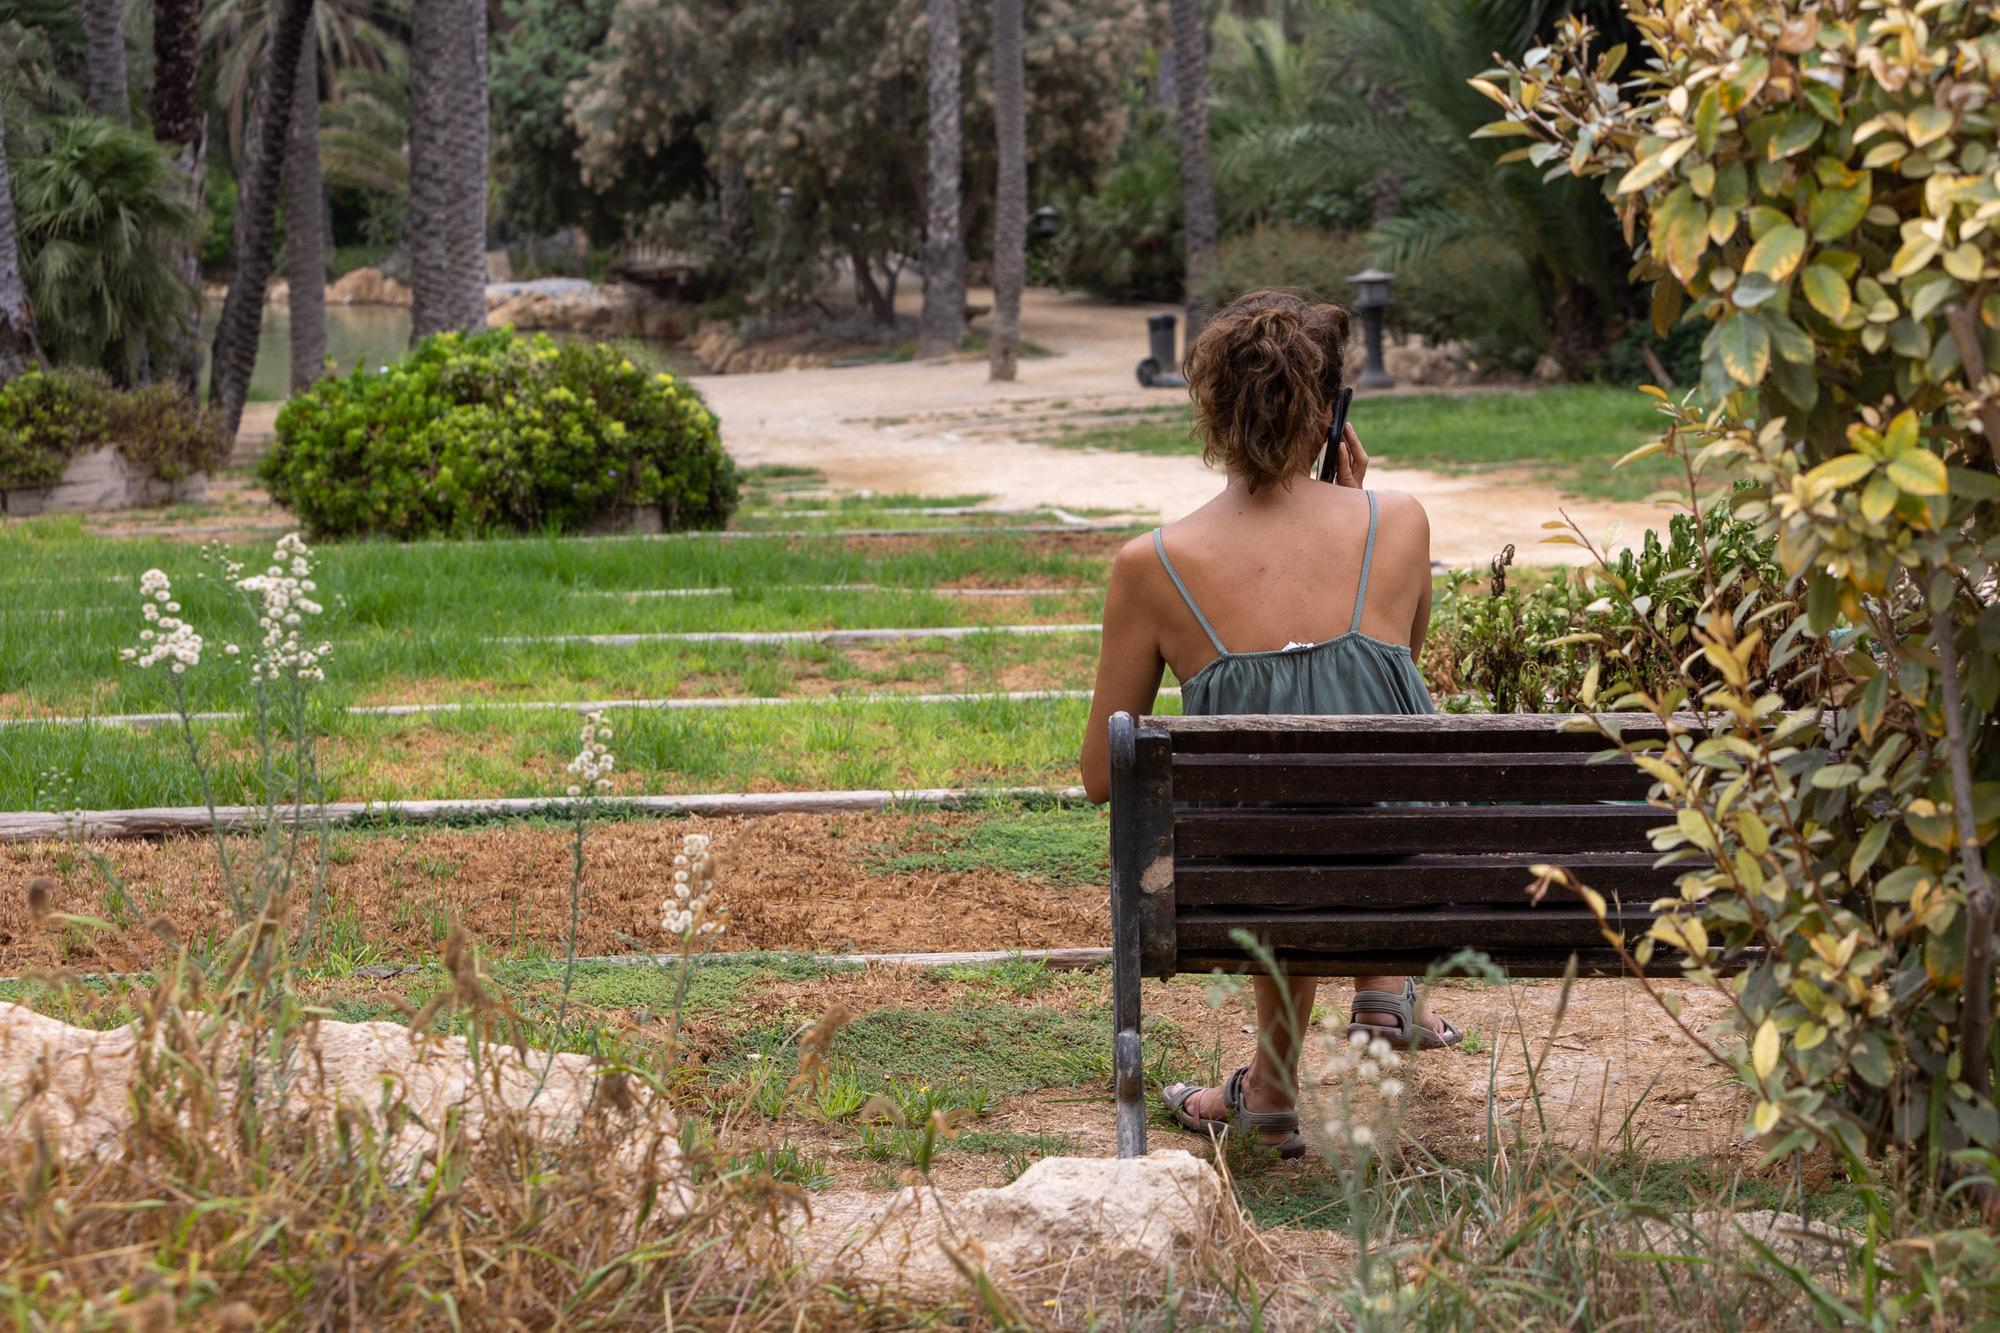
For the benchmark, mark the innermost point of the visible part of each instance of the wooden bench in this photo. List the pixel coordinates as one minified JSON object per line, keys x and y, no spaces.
{"x":1276,"y":826}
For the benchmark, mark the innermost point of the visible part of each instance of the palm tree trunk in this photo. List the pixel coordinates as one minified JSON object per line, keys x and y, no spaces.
{"x":235,"y":355}
{"x":18,"y":350}
{"x":104,"y":60}
{"x":1010,"y":204}
{"x":942,"y":326}
{"x":1190,"y":32}
{"x":305,"y":225}
{"x":178,"y":123}
{"x":447,"y":167}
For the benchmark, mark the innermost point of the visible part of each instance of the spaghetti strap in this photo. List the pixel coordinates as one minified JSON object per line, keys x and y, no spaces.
{"x":1160,"y":545}
{"x":1367,"y":559}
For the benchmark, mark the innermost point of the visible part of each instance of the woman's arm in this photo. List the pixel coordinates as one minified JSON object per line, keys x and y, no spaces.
{"x":1420,"y":625}
{"x":1128,"y":663}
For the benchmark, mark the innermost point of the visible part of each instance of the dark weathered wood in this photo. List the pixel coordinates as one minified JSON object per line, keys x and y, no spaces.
{"x":1450,"y":733}
{"x":1208,"y":930}
{"x":1302,"y":779}
{"x":1597,"y":962}
{"x":1414,"y":881}
{"x":1142,"y":863}
{"x":1554,"y":830}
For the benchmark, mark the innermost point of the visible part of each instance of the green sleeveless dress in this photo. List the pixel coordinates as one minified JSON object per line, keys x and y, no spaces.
{"x":1351,"y":673}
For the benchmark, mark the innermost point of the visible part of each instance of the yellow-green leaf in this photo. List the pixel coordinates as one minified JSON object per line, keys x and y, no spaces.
{"x":1644,"y":173}
{"x":1878,"y":497}
{"x":1918,"y":472}
{"x":1901,"y":436}
{"x":1765,"y":1118}
{"x":1927,"y":124}
{"x":1764,"y":1050}
{"x":1838,"y":210}
{"x":1838,"y":472}
{"x":1745,"y":346}
{"x":1964,"y":262}
{"x":1680,"y":232}
{"x":1827,"y":291}
{"x":1745,"y":84}
{"x":1777,"y":253}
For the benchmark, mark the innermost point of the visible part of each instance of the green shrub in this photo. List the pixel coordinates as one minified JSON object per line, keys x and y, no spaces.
{"x":1123,"y":241}
{"x":48,"y":417}
{"x":497,"y":432}
{"x":1306,"y":260}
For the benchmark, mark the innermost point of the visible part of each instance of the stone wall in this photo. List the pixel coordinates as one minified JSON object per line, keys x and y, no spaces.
{"x":101,"y":479}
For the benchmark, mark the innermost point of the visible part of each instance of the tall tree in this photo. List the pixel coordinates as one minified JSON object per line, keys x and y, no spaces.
{"x":178,"y":121}
{"x":235,"y":355}
{"x":1198,"y":225}
{"x":942,"y":326}
{"x":305,"y":226}
{"x":104,"y":60}
{"x":447,"y":167}
{"x":1010,"y":204}
{"x":17,"y":320}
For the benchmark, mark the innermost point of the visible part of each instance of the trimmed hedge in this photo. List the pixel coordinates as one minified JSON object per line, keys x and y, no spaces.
{"x":49,"y":417}
{"x":495,"y":432}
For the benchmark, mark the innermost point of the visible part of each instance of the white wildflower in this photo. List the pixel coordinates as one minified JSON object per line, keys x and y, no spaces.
{"x":166,"y":638}
{"x":686,"y":915}
{"x":594,"y":761}
{"x":285,"y":603}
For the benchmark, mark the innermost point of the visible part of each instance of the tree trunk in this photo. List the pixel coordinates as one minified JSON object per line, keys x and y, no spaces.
{"x":18,"y":350}
{"x":104,"y":60}
{"x":178,"y":123}
{"x":1198,"y":225}
{"x":447,"y":167}
{"x":305,"y":226}
{"x":1010,"y":202}
{"x":942,"y":327}
{"x":235,"y":354}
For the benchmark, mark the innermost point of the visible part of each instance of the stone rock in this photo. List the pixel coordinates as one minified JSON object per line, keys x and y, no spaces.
{"x":1547,"y":370}
{"x":76,"y":1083}
{"x":101,"y":480}
{"x":1066,"y":1219}
{"x":499,"y":266}
{"x":1417,"y":362}
{"x":367,"y":286}
{"x":615,"y":310}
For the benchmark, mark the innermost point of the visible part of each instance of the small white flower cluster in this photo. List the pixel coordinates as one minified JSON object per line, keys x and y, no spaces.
{"x":686,"y":913}
{"x":592,"y":766}
{"x":285,"y":590}
{"x":166,"y":638}
{"x":1360,"y":1062}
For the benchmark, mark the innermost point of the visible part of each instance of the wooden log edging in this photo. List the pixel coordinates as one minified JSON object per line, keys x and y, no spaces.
{"x":140,"y":720}
{"x":1080,"y":959}
{"x":815,"y":636}
{"x":168,"y":821}
{"x":1068,"y":590}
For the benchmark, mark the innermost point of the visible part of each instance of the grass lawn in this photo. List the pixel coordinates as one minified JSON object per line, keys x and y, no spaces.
{"x":1570,"y":435}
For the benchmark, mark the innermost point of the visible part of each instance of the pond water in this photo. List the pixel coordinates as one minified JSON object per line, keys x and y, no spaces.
{"x":374,"y":335}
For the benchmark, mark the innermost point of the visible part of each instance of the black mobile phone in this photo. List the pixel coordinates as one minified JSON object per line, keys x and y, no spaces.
{"x":1329,"y":468}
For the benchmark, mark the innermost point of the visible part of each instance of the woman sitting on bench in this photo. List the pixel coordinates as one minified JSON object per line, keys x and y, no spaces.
{"x":1324,"y":593}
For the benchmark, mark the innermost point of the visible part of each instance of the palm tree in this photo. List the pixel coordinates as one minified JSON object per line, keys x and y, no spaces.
{"x":350,"y":34}
{"x":1198,"y":225}
{"x":942,"y":326}
{"x":447,"y":167}
{"x":98,"y":209}
{"x":235,"y":355}
{"x":179,"y":119}
{"x":104,"y":60}
{"x":1010,"y":205}
{"x":305,"y":226}
{"x":17,"y":320}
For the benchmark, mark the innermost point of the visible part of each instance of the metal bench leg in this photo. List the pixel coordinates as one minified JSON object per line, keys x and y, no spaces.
{"x":1127,"y":1059}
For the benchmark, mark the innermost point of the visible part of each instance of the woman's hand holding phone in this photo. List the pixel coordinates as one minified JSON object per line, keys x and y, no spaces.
{"x":1350,"y":464}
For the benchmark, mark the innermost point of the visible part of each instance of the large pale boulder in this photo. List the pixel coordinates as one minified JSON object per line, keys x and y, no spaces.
{"x":615,"y":310}
{"x":366,"y":286}
{"x":76,"y":1084}
{"x":1113,"y":1222}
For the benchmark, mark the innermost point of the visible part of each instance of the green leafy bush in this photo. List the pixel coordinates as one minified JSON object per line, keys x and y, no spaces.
{"x":498,"y":432}
{"x":1306,"y":260}
{"x":1123,"y":240}
{"x":48,"y":417}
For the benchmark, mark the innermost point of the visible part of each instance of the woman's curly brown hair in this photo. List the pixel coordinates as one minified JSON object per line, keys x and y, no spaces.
{"x":1263,"y":375}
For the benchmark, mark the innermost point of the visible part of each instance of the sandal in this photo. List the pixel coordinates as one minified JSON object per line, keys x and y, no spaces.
{"x":1178,"y":1095}
{"x":1406,"y":1031}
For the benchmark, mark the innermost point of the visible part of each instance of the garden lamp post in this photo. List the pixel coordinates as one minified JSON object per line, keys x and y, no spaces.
{"x":1046,"y":222}
{"x":1371,"y":298}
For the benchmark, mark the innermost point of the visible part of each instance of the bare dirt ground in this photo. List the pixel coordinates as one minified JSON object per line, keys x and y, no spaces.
{"x":941,"y":428}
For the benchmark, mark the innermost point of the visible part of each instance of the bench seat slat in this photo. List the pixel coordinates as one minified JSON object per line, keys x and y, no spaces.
{"x":1560,"y":830}
{"x":1300,"y":779}
{"x":1448,"y":733}
{"x":1597,"y":962}
{"x":1415,"y":880}
{"x":1334,"y":931}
